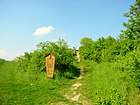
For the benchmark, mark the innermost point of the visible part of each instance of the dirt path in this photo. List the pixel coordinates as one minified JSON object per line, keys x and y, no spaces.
{"x":72,"y":92}
{"x":78,"y":56}
{"x":74,"y":95}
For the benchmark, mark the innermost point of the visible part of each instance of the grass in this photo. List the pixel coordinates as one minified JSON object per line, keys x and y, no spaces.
{"x":22,"y":88}
{"x":103,"y":84}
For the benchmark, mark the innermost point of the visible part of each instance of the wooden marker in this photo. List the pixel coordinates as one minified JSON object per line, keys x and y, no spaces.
{"x":50,"y":62}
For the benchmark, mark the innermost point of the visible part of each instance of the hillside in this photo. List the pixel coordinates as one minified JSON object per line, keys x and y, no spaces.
{"x":105,"y":71}
{"x":99,"y":85}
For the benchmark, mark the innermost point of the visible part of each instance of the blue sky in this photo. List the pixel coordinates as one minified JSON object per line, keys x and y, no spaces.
{"x":25,"y":23}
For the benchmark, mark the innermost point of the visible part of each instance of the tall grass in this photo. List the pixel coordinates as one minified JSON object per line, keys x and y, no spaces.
{"x":103,"y":84}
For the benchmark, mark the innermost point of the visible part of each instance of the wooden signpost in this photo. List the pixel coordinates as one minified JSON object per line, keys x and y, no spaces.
{"x":50,"y":62}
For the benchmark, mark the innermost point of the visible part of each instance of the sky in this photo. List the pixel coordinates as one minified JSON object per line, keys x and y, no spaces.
{"x":25,"y":23}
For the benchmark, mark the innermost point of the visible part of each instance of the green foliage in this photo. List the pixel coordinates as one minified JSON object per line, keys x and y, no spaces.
{"x":133,"y":25}
{"x":104,"y":84}
{"x":108,"y":49}
{"x":112,"y":69}
{"x":100,"y":50}
{"x":64,"y":58}
{"x":130,"y":65}
{"x":86,"y":49}
{"x":2,"y":61}
{"x":24,"y":88}
{"x":118,"y":70}
{"x":86,"y":41}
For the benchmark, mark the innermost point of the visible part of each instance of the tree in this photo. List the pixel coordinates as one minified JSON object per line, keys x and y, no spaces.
{"x":98,"y":50}
{"x":132,"y":30}
{"x":86,"y":41}
{"x":36,"y":61}
{"x":86,"y":48}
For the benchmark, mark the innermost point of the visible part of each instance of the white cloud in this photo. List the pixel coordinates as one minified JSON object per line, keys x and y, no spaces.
{"x":2,"y":52}
{"x":43,"y":31}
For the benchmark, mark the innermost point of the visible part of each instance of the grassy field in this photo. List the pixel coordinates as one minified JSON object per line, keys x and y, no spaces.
{"x":102,"y":84}
{"x":21,"y":88}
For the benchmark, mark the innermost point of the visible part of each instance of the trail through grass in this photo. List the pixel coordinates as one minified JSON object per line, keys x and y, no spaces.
{"x":101,"y":84}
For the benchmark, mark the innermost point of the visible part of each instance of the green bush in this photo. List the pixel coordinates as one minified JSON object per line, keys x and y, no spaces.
{"x":130,"y":65}
{"x":2,"y":61}
{"x":64,"y":58}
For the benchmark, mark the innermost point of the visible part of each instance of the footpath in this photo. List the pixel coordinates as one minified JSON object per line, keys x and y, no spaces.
{"x":72,"y":93}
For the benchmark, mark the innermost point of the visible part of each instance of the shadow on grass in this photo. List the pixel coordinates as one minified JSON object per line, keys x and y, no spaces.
{"x":69,"y":72}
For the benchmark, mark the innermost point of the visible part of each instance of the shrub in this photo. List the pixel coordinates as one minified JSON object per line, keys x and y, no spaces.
{"x":64,"y":58}
{"x":130,"y":65}
{"x":2,"y":61}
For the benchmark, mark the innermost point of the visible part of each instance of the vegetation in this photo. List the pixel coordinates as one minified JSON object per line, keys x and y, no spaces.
{"x":132,"y":26}
{"x":2,"y":61}
{"x":23,"y":88}
{"x":104,"y":84}
{"x":114,"y":64}
{"x":65,"y":59}
{"x":111,"y":66}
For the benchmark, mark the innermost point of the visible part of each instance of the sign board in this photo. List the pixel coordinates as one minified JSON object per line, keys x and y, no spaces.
{"x":50,"y":62}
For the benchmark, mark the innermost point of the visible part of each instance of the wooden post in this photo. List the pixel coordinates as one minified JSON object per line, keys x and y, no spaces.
{"x":50,"y":62}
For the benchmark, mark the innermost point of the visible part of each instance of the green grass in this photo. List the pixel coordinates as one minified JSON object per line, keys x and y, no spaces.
{"x":103,"y":84}
{"x":23,"y":88}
